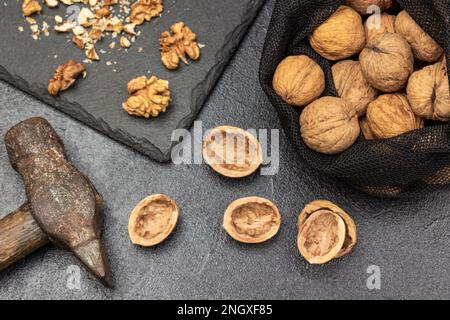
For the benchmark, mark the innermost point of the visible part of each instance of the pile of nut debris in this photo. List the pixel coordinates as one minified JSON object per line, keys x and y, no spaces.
{"x":93,"y":21}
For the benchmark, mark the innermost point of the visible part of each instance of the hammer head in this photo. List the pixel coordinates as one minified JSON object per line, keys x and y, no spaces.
{"x":63,"y":201}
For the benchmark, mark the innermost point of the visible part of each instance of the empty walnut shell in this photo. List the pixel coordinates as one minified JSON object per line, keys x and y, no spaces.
{"x":232,"y":152}
{"x":252,"y":220}
{"x":352,"y":86}
{"x":390,"y":115}
{"x":378,"y":24}
{"x":423,"y":46}
{"x":298,"y":80}
{"x":340,"y":36}
{"x":153,"y":220}
{"x":362,"y":6}
{"x":350,"y":226}
{"x":329,"y":126}
{"x":428,"y":92}
{"x":387,"y":61}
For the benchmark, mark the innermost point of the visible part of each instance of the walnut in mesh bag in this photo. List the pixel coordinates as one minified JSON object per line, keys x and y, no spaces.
{"x":65,"y":75}
{"x":149,"y":97}
{"x":367,"y":6}
{"x":176,"y":44}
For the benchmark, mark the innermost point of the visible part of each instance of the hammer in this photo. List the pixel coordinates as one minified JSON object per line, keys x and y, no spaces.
{"x":63,"y":206}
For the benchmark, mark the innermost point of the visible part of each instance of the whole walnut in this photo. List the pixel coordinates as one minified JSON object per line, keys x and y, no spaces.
{"x":423,"y":46}
{"x":390,"y":115}
{"x":362,"y":6}
{"x":352,"y":86}
{"x":428,"y":92}
{"x":329,"y":126}
{"x":377,"y":24}
{"x":387,"y":61}
{"x":298,"y":80}
{"x":365,"y":129}
{"x":340,"y":36}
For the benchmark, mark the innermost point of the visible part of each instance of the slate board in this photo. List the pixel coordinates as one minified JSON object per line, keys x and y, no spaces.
{"x":97,"y":99}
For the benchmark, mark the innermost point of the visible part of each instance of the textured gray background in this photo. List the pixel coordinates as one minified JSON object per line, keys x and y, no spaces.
{"x":408,"y":240}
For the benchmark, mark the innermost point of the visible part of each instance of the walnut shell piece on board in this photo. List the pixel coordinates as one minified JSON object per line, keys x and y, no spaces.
{"x":378,"y":24}
{"x":340,"y":36}
{"x":423,"y":46}
{"x":352,"y":86}
{"x":153,"y":220}
{"x":390,"y":115}
{"x":325,"y":205}
{"x":428,"y":92}
{"x":329,"y":126}
{"x":65,"y":76}
{"x":387,"y":62}
{"x":298,"y":80}
{"x":252,"y":220}
{"x":363,"y":6}
{"x":233,"y":152}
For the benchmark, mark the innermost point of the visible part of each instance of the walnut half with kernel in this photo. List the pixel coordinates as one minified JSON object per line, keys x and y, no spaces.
{"x":149,"y":97}
{"x":65,"y":75}
{"x":176,"y":44}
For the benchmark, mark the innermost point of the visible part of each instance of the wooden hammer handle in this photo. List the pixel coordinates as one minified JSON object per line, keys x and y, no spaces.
{"x":19,"y":236}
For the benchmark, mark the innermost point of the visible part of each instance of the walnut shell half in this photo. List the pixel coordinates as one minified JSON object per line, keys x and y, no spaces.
{"x":350,"y":226}
{"x":340,"y":36}
{"x":298,"y":80}
{"x":363,"y":6}
{"x":329,"y":126}
{"x":387,"y":61}
{"x":423,"y":46}
{"x":153,"y":220}
{"x":352,"y":86}
{"x":232,"y":152}
{"x":252,"y":220}
{"x":390,"y":115}
{"x":428,"y":92}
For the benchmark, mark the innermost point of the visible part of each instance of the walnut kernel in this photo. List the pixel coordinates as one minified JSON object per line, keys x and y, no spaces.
{"x":363,"y":6}
{"x":352,"y":86}
{"x":176,"y":44}
{"x":149,"y":97}
{"x":153,"y":220}
{"x":329,"y":126}
{"x":232,"y":152}
{"x":30,"y":7}
{"x":145,"y":10}
{"x":64,"y":76}
{"x":387,"y":61}
{"x":340,"y":36}
{"x":252,"y":220}
{"x":298,"y":80}
{"x":390,"y":115}
{"x":423,"y":46}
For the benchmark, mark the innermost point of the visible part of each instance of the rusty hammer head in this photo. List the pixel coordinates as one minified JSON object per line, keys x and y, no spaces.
{"x":62,"y":200}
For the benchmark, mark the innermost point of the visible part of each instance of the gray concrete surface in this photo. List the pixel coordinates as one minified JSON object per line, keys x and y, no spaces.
{"x":407,"y":240}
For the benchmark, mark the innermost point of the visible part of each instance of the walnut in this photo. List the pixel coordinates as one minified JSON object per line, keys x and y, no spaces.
{"x":352,"y":86}
{"x":176,"y":44}
{"x":148,"y":98}
{"x":64,"y":76}
{"x":423,"y":46}
{"x":377,"y":24}
{"x":363,"y":6}
{"x":329,"y":126}
{"x":145,"y":10}
{"x":153,"y":220}
{"x":232,"y":152}
{"x":387,"y":61}
{"x":365,"y":129}
{"x":339,"y":37}
{"x":298,"y":80}
{"x":30,"y":7}
{"x":390,"y":115}
{"x":252,"y":220}
{"x":428,"y":92}
{"x":324,"y":211}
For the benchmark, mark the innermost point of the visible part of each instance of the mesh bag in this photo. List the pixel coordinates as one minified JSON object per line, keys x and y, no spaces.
{"x":403,"y":166}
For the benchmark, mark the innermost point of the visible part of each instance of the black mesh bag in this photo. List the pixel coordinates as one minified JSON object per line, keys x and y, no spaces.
{"x":397,"y":167}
